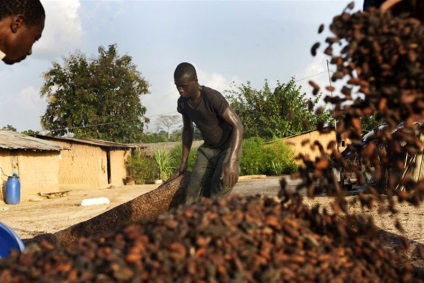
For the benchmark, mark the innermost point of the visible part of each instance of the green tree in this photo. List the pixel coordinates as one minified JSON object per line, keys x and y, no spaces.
{"x":177,"y":134}
{"x":9,"y":128}
{"x":168,"y":121}
{"x":95,"y":98}
{"x":277,"y":113}
{"x":149,"y":137}
{"x":370,"y":122}
{"x":30,"y":132}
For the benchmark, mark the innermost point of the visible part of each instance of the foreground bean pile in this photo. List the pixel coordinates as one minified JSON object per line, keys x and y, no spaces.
{"x":233,"y":239}
{"x":379,"y":70}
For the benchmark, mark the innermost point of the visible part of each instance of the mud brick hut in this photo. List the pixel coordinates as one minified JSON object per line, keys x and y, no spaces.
{"x":34,"y":160}
{"x":295,"y":142}
{"x":91,"y":163}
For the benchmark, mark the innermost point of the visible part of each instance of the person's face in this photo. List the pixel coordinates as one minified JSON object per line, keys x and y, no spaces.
{"x":187,"y":86}
{"x":21,"y":39}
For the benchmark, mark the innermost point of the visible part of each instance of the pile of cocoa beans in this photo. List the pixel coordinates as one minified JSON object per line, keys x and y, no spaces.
{"x":378,"y":64}
{"x":229,"y":239}
{"x":261,"y":239}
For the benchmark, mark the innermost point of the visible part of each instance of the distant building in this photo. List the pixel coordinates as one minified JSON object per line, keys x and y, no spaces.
{"x":309,"y":149}
{"x":35,"y":161}
{"x":51,"y":164}
{"x":91,"y":163}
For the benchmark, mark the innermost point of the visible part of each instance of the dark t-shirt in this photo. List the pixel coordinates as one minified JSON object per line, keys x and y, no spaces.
{"x":372,"y":3}
{"x":207,"y":117}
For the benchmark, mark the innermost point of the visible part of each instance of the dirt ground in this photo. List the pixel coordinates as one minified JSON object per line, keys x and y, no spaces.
{"x":43,"y":215}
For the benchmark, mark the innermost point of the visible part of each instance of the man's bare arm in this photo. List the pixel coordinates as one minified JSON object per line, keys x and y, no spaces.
{"x":187,"y":141}
{"x":230,"y":171}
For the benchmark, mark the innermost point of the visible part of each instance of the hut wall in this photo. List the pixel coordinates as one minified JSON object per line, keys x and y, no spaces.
{"x":295,"y":142}
{"x":118,"y":170}
{"x":82,"y":167}
{"x":37,"y":171}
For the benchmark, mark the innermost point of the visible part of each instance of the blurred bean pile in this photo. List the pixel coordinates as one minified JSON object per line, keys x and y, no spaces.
{"x":379,"y":70}
{"x":232,"y":239}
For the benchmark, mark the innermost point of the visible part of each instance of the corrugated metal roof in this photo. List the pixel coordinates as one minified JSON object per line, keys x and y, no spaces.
{"x":16,"y":141}
{"x":94,"y":142}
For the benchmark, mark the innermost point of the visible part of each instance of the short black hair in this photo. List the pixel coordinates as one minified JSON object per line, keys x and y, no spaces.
{"x":32,"y":10}
{"x":183,"y":69}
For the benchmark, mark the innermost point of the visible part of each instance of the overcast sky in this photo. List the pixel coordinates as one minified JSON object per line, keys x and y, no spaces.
{"x":227,"y":41}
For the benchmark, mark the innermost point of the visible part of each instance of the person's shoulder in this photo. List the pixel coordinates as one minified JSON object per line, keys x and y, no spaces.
{"x":215,"y":98}
{"x":207,"y":89}
{"x":210,"y":92}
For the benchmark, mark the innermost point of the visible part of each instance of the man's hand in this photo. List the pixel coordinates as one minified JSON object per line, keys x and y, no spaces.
{"x":181,"y":169}
{"x":230,"y":174}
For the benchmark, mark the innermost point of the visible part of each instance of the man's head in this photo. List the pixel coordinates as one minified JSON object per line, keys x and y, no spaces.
{"x":185,"y":78}
{"x":21,"y":24}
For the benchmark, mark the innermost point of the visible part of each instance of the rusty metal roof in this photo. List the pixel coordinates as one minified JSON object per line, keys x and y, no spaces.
{"x":11,"y":140}
{"x":94,"y":142}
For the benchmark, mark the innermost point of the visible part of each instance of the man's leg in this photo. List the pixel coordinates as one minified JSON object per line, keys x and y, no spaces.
{"x":200,"y":176}
{"x":217,"y":187}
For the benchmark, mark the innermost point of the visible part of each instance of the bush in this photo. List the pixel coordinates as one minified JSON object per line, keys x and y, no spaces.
{"x":274,"y":159}
{"x":253,"y":157}
{"x":141,"y":167}
{"x":163,"y":163}
{"x":280,"y":159}
{"x":257,"y":158}
{"x":176,"y":153}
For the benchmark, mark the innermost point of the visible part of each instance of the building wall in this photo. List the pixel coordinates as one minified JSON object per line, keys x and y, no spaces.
{"x":37,"y":171}
{"x":82,"y":166}
{"x":309,"y":149}
{"x":85,"y":166}
{"x":117,"y":164}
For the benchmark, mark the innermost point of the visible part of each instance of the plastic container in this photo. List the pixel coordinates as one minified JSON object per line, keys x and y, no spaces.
{"x":13,"y":189}
{"x":9,"y":240}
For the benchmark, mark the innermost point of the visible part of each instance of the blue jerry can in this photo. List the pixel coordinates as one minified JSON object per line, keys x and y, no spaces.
{"x":13,"y":189}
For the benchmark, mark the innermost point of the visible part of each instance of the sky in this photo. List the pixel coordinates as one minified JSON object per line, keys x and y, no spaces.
{"x":229,"y":42}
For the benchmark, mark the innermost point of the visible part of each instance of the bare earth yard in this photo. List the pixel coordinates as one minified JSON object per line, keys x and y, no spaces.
{"x":43,"y":215}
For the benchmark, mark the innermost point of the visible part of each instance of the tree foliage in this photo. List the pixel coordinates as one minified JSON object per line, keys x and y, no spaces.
{"x":370,"y":122}
{"x":272,"y":159}
{"x":95,"y":98}
{"x":30,"y":132}
{"x":9,"y":128}
{"x":277,"y":113}
{"x":177,"y":135}
{"x":149,"y":137}
{"x":168,"y":122}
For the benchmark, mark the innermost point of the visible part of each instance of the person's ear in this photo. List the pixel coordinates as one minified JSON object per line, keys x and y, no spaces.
{"x":17,"y":23}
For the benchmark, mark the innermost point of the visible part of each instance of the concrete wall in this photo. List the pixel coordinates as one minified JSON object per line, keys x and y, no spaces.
{"x":37,"y":171}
